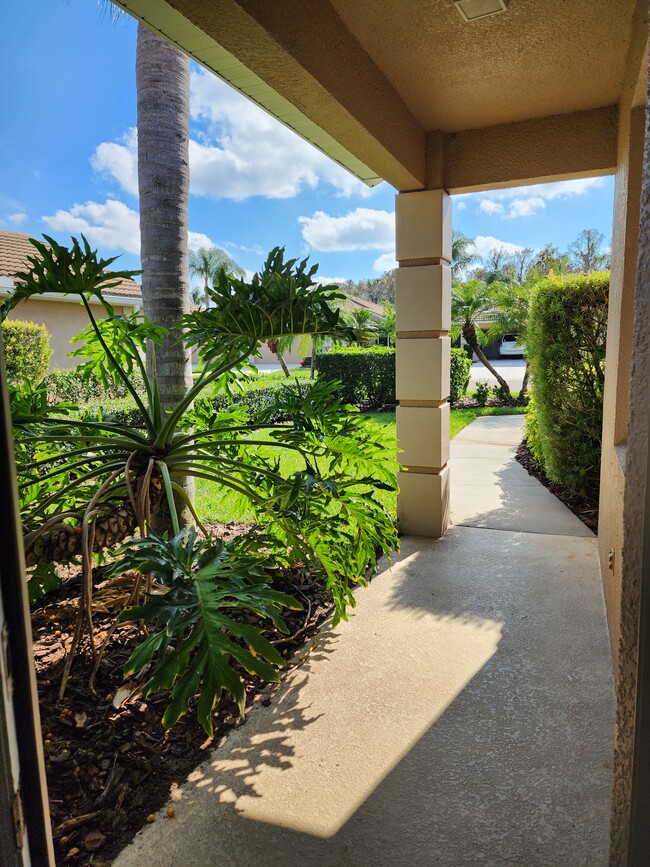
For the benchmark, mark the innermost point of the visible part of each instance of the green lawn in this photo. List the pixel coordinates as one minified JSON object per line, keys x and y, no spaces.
{"x":213,"y":505}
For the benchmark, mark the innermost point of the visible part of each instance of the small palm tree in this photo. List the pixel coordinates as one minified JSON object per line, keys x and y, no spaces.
{"x":197,"y":297}
{"x":512,"y":305}
{"x":463,"y":254}
{"x":470,"y":302}
{"x":363,"y":323}
{"x":278,"y":346}
{"x":208,"y":262}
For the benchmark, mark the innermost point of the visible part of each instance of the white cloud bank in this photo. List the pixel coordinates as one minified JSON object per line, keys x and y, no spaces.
{"x":111,"y":225}
{"x":119,"y":159}
{"x":17,"y":218}
{"x":385,"y":262}
{"x":361,"y":229}
{"x":484,"y":244}
{"x":519,"y":202}
{"x":243,"y":153}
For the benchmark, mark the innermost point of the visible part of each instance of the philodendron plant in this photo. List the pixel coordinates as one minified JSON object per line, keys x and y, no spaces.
{"x":87,"y":484}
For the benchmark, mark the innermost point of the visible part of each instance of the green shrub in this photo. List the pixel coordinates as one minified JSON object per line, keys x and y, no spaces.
{"x":258,"y":396}
{"x":566,"y":351}
{"x":74,"y":386}
{"x":460,"y":370}
{"x":367,"y":375}
{"x":482,"y":392}
{"x":27,"y":350}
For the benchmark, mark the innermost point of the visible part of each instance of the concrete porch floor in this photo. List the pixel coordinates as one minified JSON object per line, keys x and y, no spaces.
{"x":463,"y":716}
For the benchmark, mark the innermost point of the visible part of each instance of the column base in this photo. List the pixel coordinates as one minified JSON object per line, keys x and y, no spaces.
{"x":423,"y":503}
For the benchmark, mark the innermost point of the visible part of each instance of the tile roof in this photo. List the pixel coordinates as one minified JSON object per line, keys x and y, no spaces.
{"x":15,"y":248}
{"x":366,"y":304}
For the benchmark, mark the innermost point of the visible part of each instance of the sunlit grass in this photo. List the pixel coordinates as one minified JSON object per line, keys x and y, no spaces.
{"x":215,"y":505}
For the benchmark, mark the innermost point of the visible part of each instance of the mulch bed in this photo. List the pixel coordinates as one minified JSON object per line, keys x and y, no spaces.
{"x":110,"y":764}
{"x":585,"y":508}
{"x":469,"y":402}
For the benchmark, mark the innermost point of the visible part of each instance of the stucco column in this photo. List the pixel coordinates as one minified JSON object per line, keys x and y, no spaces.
{"x":423,"y":309}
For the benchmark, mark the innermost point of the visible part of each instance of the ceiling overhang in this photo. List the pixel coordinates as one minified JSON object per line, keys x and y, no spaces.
{"x":300,"y":102}
{"x":315,"y":68}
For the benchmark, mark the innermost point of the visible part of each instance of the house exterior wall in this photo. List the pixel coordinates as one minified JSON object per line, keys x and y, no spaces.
{"x":63,"y":320}
{"x":293,"y":356}
{"x":619,"y":348}
{"x":625,"y":427}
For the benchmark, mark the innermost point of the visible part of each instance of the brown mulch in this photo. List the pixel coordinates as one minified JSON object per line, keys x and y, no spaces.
{"x":469,"y":402}
{"x":109,"y":763}
{"x":585,"y":508}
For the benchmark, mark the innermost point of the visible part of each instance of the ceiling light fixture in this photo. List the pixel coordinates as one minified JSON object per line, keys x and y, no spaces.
{"x":472,"y":10}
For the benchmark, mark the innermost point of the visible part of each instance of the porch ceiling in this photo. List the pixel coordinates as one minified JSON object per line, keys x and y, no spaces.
{"x":389,"y":88}
{"x":541,"y":57}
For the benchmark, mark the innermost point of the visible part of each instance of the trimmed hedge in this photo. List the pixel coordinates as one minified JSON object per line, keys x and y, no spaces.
{"x":27,"y":350}
{"x":367,"y":375}
{"x":567,"y":331}
{"x":73,"y":387}
{"x":460,"y":369}
{"x":257,"y":398}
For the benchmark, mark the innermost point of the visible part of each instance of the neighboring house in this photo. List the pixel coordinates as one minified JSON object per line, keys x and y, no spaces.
{"x":62,"y":315}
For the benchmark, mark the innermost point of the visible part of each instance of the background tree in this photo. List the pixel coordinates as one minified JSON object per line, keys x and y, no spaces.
{"x":208,"y":262}
{"x":377,"y":289}
{"x":197,"y":297}
{"x":388,"y":328}
{"x":470,"y":302}
{"x":521,"y":261}
{"x":463,"y":254}
{"x":587,"y":254}
{"x":364,"y":325}
{"x":499,"y":267}
{"x":550,"y":262}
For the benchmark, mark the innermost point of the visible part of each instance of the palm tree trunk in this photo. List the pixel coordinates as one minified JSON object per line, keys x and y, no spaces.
{"x":163,"y":93}
{"x":524,"y":384}
{"x":274,"y":347}
{"x":283,"y":364}
{"x":206,"y":293}
{"x":469,"y":333}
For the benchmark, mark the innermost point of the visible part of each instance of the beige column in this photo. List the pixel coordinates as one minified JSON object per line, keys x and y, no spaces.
{"x":423,"y":309}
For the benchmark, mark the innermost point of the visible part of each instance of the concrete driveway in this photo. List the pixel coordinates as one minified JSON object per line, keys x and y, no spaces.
{"x":511,"y":369}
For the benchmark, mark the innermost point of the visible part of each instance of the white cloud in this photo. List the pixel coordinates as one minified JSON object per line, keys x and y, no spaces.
{"x":119,"y":159}
{"x":487,"y":206}
{"x":111,"y":225}
{"x":527,"y":201}
{"x":459,"y":204}
{"x":484,"y":245}
{"x":327,"y":281}
{"x":198,"y":239}
{"x":17,"y":218}
{"x":385,"y":262}
{"x":244,"y":152}
{"x":361,"y":229}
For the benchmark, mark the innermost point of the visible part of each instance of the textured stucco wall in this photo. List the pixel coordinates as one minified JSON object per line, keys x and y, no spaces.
{"x":63,"y":320}
{"x":619,"y":349}
{"x":543,"y":149}
{"x":633,"y":522}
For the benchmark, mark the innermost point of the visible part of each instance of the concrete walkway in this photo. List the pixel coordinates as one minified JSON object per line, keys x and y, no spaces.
{"x":463,"y":716}
{"x":490,"y":489}
{"x":511,"y":369}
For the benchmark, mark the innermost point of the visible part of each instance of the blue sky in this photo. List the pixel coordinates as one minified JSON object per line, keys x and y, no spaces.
{"x":68,"y":162}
